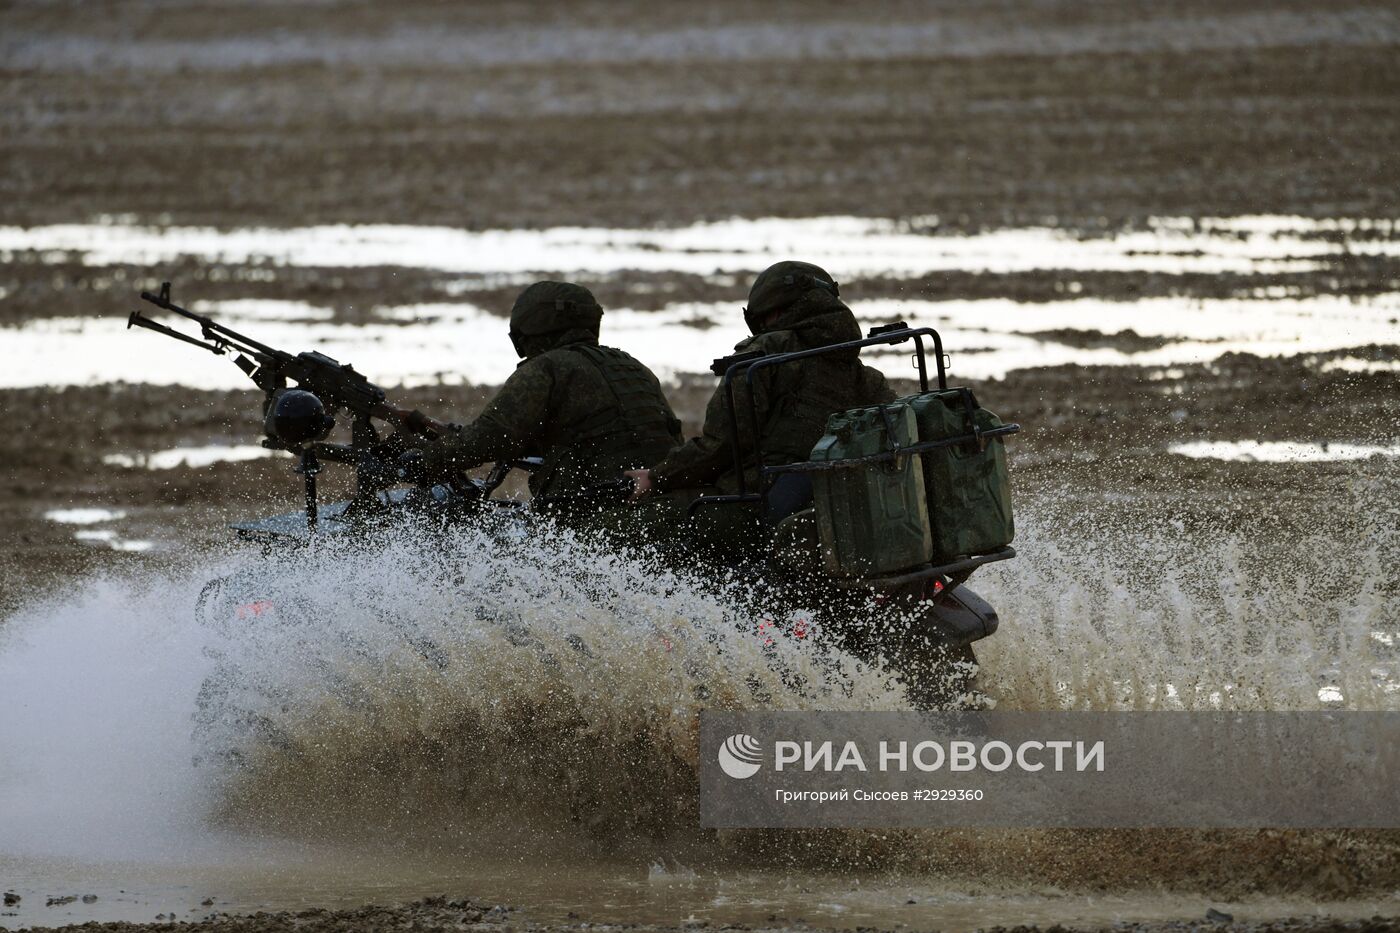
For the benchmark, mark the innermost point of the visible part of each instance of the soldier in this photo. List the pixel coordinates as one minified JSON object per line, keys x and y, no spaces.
{"x":792,"y":306}
{"x":590,"y":411}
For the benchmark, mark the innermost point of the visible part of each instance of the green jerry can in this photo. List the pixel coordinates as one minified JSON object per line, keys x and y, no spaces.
{"x":968,"y":488}
{"x":872,"y":519}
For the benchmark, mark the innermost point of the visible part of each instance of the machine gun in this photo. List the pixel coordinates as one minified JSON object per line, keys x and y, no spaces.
{"x":298,"y":418}
{"x":336,"y":384}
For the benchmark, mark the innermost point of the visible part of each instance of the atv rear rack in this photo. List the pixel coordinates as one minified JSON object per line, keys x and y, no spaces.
{"x":816,"y":466}
{"x":944,"y":571}
{"x":748,"y":364}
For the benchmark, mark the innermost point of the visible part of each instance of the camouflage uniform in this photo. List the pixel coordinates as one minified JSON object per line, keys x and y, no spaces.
{"x":590,"y":411}
{"x":792,"y":306}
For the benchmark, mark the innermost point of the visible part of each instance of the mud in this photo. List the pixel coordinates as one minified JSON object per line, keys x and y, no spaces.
{"x":465,"y":914}
{"x":546,"y":113}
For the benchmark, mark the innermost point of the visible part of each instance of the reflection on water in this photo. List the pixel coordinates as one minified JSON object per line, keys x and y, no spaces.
{"x":84,"y":516}
{"x":87,"y":517}
{"x":464,"y":343}
{"x":847,"y":246}
{"x":461,"y":342}
{"x":1282,"y":451}
{"x":1351,"y":364}
{"x":264,"y":309}
{"x":192,"y":456}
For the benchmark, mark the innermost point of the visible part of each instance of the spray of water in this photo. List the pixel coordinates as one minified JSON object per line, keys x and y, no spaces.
{"x":96,"y":689}
{"x":436,"y":682}
{"x":1144,"y":608}
{"x":542,"y":691}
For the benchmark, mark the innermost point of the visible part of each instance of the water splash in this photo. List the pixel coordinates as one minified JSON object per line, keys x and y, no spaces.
{"x":529,"y":673}
{"x":97,"y":686}
{"x":486,"y":691}
{"x":1147,"y":606}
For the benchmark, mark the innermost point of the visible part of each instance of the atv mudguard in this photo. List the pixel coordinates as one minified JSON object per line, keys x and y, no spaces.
{"x":960,"y":617}
{"x":954,"y":617}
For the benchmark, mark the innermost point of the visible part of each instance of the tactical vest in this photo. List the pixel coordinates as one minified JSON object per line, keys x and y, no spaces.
{"x":636,"y":430}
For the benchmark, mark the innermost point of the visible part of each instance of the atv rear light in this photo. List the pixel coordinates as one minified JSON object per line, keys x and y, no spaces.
{"x":253,"y":610}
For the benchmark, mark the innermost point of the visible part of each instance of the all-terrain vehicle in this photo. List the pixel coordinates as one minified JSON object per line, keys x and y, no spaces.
{"x":898,"y":505}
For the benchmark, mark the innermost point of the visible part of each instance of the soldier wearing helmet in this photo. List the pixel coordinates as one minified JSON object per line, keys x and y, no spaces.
{"x":792,"y":306}
{"x":591,"y":412}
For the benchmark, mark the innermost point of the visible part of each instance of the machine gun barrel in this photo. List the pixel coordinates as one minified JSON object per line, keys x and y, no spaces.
{"x":138,"y":319}
{"x":212,"y":329}
{"x":336,"y":384}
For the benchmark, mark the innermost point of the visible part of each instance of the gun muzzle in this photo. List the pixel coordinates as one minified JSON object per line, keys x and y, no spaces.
{"x":140,"y":320}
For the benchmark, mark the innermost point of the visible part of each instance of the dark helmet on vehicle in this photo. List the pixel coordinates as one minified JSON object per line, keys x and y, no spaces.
{"x":781,"y":285}
{"x":551,"y":308}
{"x":296,"y":417}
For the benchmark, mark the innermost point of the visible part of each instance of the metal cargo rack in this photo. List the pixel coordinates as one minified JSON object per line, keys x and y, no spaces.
{"x":747,"y":364}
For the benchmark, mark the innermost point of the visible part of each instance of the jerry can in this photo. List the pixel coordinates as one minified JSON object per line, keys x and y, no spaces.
{"x":873,"y":518}
{"x":967,"y":486}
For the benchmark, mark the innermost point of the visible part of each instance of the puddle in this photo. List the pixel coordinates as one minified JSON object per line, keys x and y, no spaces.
{"x":460,"y":342}
{"x":192,"y":456}
{"x":847,"y":246}
{"x":86,"y":516}
{"x":101,"y":537}
{"x":264,"y":309}
{"x":456,"y":343}
{"x":610,"y":893}
{"x":109,"y":538}
{"x":1282,"y":451}
{"x":1351,"y":364}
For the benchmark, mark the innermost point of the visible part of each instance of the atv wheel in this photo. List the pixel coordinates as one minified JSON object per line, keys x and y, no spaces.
{"x":941,"y":678}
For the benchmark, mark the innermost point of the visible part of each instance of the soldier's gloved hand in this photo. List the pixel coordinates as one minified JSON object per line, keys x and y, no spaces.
{"x":642,"y":484}
{"x":413,"y":467}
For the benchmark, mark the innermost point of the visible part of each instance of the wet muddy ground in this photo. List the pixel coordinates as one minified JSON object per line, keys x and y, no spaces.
{"x":1089,"y":119}
{"x":548,"y":113}
{"x":466,"y":914}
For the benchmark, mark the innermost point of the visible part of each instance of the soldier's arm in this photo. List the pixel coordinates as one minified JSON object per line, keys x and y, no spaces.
{"x":877,"y":387}
{"x":511,"y":426}
{"x":702,"y":460}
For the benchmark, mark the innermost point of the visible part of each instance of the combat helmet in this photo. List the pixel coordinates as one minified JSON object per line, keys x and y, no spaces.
{"x":782,"y":284}
{"x":548,"y":309}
